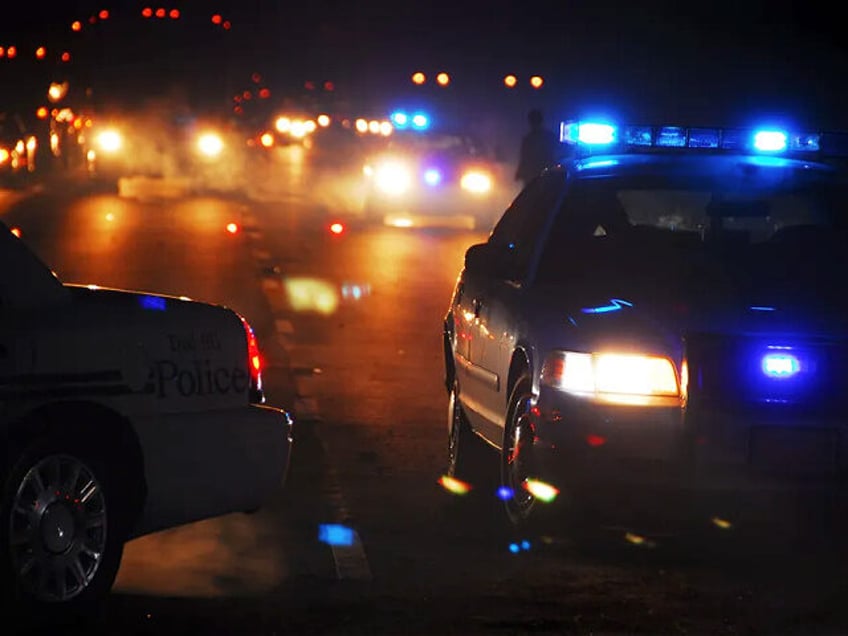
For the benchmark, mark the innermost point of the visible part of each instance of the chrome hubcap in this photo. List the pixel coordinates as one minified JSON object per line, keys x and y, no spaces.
{"x":57,"y":528}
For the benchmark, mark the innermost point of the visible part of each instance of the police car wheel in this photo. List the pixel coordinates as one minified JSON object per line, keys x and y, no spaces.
{"x":463,"y":458}
{"x":516,"y":455}
{"x":59,"y":532}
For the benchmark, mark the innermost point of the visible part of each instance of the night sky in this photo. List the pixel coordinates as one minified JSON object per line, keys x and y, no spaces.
{"x":705,"y":62}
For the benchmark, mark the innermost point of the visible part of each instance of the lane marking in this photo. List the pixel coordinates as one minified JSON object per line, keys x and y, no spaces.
{"x":350,"y":560}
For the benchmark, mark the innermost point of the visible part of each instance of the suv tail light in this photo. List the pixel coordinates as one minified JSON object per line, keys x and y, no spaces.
{"x":254,"y":364}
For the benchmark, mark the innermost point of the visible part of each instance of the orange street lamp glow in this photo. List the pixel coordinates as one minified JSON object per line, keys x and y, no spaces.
{"x":66,"y":57}
{"x":267,"y":140}
{"x":40,"y":52}
{"x":76,"y":26}
{"x":11,"y":52}
{"x":42,"y":112}
{"x":443,"y":79}
{"x":536,"y":81}
{"x":419,"y":78}
{"x":510,"y":81}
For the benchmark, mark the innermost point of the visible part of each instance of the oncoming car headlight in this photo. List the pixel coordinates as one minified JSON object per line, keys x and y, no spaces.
{"x":393,"y":178}
{"x":210,"y":144}
{"x":621,"y":378}
{"x":109,"y":141}
{"x":476,"y":182}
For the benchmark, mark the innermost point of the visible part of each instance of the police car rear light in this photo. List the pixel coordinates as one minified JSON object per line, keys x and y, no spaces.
{"x":254,"y":363}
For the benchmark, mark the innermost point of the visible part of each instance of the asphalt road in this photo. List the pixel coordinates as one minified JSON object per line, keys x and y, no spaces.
{"x":350,"y":325}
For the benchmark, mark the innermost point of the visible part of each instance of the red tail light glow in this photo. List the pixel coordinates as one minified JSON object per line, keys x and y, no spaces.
{"x":254,"y":362}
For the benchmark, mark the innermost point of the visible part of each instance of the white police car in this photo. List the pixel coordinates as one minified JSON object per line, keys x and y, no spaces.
{"x":121,"y":414}
{"x":666,"y":308}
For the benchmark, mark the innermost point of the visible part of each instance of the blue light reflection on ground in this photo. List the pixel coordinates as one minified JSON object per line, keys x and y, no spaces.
{"x":335,"y":534}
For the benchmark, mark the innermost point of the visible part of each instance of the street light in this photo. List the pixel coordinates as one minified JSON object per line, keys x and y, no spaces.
{"x":510,"y":81}
{"x":443,"y":79}
{"x":419,"y":78}
{"x":536,"y":81}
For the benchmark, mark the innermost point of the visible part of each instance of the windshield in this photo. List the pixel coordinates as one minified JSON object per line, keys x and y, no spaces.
{"x":781,"y":211}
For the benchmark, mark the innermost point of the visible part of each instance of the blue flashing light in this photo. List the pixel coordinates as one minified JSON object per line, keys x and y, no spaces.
{"x":762,"y":308}
{"x":335,"y":534}
{"x":770,"y":140}
{"x":420,"y":121}
{"x":400,"y":119}
{"x":514,"y":548}
{"x":616,"y":304}
{"x":504,"y":493}
{"x":589,"y":133}
{"x":153,"y":303}
{"x":432,"y":177}
{"x":596,"y":134}
{"x":780,"y":363}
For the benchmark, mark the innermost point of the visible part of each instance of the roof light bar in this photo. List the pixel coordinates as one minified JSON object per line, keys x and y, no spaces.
{"x":592,"y":135}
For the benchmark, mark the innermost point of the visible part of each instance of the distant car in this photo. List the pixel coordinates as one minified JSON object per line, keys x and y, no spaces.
{"x":123,"y":413}
{"x":665,"y":309}
{"x":423,"y":178}
{"x":17,"y":147}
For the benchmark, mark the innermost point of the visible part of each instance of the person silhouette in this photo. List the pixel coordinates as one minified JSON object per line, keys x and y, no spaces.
{"x":539,"y":149}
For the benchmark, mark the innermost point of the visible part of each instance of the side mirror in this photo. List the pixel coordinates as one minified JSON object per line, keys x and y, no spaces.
{"x":489,"y":260}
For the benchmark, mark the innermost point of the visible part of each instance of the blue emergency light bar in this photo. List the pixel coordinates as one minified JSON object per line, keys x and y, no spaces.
{"x":594,"y":137}
{"x":416,"y":121}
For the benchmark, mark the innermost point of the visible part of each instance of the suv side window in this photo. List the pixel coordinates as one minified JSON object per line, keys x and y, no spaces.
{"x":521,"y":226}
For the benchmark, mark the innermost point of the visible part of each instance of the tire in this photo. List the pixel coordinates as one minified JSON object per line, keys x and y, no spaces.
{"x":61,"y":534}
{"x":467,"y":453}
{"x":517,"y":465}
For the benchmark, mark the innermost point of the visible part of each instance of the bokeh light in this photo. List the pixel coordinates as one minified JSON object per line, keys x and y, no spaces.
{"x":443,"y":79}
{"x":419,"y":78}
{"x":510,"y":81}
{"x":541,"y":490}
{"x":536,"y":81}
{"x":232,"y":228}
{"x":453,"y":485}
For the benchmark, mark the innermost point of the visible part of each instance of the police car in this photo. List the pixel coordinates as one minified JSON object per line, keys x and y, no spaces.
{"x":664,"y":309}
{"x":424,"y":178}
{"x":121,"y":414}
